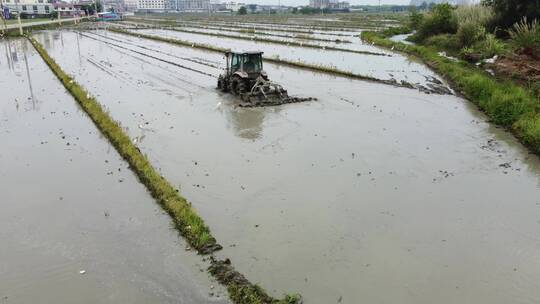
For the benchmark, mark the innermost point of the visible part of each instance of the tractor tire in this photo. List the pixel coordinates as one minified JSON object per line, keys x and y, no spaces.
{"x":238,"y":86}
{"x":222,"y":84}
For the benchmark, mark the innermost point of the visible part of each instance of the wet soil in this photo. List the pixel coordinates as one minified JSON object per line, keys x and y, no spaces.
{"x":521,"y":66}
{"x":76,"y":225}
{"x":370,"y":194}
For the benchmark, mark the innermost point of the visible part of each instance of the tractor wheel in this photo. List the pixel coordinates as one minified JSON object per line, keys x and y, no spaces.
{"x":219,"y":83}
{"x":222,"y":84}
{"x":238,"y":86}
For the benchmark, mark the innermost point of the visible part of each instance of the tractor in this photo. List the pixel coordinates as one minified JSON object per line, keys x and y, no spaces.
{"x":244,"y":76}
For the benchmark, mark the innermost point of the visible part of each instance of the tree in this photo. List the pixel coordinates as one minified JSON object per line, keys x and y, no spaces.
{"x":89,"y":8}
{"x":242,"y":10}
{"x":508,"y":12}
{"x":415,"y":18}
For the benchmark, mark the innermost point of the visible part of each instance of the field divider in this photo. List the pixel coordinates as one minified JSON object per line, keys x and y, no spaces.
{"x":186,"y":220}
{"x":280,"y":42}
{"x":198,"y":24}
{"x":236,"y":30}
{"x":296,"y":64}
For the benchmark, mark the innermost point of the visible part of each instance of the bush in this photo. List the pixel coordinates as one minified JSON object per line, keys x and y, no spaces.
{"x":415,"y":19}
{"x":509,"y":12}
{"x":482,"y":15}
{"x":526,"y":36}
{"x":441,"y":20}
{"x":444,"y":41}
{"x":469,"y":33}
{"x":242,"y":10}
{"x":482,"y":49}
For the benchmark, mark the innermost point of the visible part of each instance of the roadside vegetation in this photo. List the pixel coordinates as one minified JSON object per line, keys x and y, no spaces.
{"x":186,"y":220}
{"x":495,"y":67}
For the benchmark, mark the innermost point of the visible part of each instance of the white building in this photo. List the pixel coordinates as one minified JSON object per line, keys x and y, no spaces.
{"x":193,"y":5}
{"x":29,"y":7}
{"x":151,"y":5}
{"x":330,"y":4}
{"x":234,"y":6}
{"x":130,"y":5}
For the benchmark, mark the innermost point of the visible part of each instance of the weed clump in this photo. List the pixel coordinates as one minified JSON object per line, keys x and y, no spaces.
{"x":240,"y":289}
{"x":526,"y":36}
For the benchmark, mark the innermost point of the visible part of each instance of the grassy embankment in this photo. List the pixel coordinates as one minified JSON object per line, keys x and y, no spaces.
{"x":186,"y":220}
{"x":506,"y":103}
{"x":277,"y":60}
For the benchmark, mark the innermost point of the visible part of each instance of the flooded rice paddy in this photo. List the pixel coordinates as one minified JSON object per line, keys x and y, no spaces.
{"x":76,"y":226}
{"x":372,"y":194}
{"x":397,"y":67}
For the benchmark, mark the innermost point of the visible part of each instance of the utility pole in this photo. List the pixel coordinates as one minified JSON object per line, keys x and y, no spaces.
{"x":3,"y":20}
{"x":19,"y":18}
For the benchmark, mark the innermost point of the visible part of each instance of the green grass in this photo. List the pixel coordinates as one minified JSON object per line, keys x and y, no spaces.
{"x":506,"y":103}
{"x":14,"y":21}
{"x":186,"y":220}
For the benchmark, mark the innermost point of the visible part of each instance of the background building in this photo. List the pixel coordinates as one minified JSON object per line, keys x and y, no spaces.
{"x":193,"y":5}
{"x":29,"y":8}
{"x":329,"y":4}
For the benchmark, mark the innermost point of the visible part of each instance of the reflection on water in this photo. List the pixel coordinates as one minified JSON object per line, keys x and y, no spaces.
{"x":14,"y":68}
{"x":245,"y":123}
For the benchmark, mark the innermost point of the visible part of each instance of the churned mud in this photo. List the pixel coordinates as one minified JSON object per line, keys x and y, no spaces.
{"x":76,"y":225}
{"x":370,"y":194}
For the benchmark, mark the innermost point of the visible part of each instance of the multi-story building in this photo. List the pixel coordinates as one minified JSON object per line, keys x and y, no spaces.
{"x":29,"y":8}
{"x":130,"y":5}
{"x":67,"y":10}
{"x":234,"y":6}
{"x":193,"y":5}
{"x":329,"y":4}
{"x":151,"y":5}
{"x":319,"y":3}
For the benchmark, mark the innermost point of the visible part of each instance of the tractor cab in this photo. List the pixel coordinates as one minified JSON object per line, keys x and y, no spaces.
{"x":244,"y":64}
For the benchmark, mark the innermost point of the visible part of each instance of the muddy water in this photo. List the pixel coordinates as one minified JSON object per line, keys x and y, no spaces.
{"x":381,"y":67}
{"x":70,"y":204}
{"x":372,"y":194}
